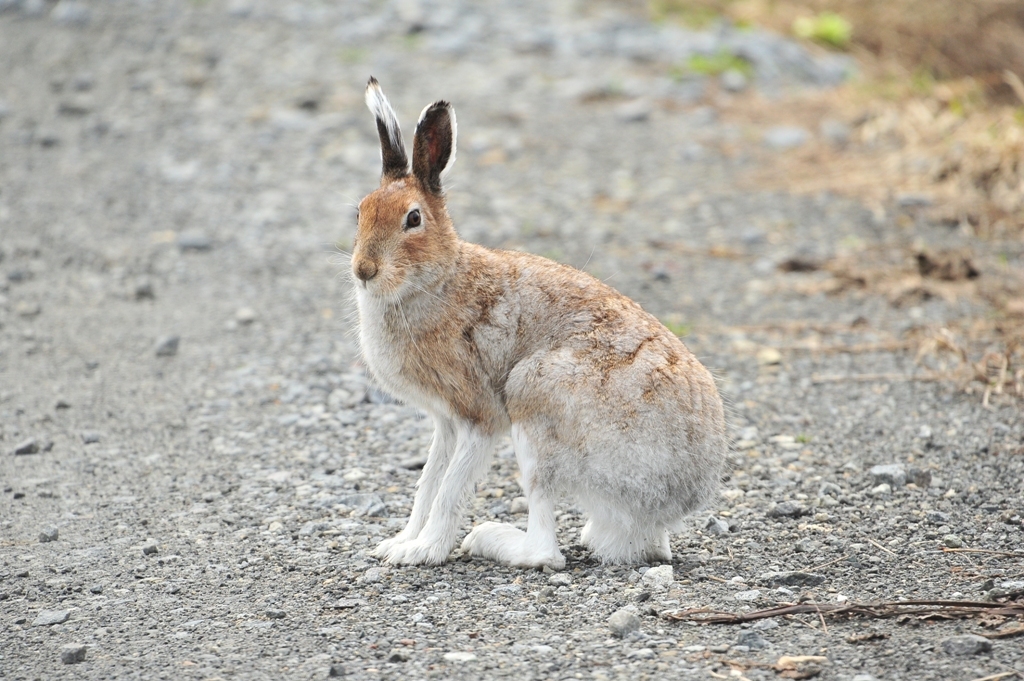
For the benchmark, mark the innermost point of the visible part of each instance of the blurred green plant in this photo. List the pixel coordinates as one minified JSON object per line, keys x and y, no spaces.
{"x":683,"y":11}
{"x":803,"y":438}
{"x":713,"y":65}
{"x":676,"y":325}
{"x":351,"y":55}
{"x":827,"y":28}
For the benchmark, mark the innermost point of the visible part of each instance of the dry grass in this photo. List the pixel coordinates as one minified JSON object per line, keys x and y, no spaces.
{"x":946,"y":149}
{"x":946,"y":38}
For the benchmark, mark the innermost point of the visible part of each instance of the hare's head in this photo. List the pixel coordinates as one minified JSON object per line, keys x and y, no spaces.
{"x":405,"y":238}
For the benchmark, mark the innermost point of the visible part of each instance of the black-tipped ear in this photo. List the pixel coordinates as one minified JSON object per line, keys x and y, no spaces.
{"x":433,"y":145}
{"x":392,"y":150}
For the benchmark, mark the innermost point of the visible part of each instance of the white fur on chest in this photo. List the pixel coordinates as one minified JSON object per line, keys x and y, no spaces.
{"x":383,"y":345}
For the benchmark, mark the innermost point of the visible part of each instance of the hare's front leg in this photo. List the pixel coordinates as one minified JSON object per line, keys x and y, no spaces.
{"x":436,"y":537}
{"x":440,"y":453}
{"x":503,"y":543}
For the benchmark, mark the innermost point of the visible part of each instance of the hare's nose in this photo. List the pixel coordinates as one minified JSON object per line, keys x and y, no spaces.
{"x":366,"y":270}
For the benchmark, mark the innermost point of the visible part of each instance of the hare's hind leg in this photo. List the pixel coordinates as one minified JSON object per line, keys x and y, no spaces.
{"x":441,"y":447}
{"x":506,"y":544}
{"x":616,"y":537}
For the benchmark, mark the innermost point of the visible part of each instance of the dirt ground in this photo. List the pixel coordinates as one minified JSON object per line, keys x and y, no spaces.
{"x":195,"y":465}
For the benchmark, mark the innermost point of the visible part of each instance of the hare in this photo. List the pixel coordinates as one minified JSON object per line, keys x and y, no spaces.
{"x":605,"y":406}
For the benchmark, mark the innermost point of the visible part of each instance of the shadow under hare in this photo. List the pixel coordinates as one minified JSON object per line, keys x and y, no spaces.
{"x":605,"y":405}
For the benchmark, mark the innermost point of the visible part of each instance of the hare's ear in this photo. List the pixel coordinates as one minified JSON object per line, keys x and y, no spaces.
{"x":392,"y":150}
{"x":433,"y":145}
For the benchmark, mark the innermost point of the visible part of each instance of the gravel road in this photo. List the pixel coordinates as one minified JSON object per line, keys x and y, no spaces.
{"x":194,"y":464}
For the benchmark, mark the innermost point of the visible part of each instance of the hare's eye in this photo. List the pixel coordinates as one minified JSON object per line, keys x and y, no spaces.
{"x":413,"y":219}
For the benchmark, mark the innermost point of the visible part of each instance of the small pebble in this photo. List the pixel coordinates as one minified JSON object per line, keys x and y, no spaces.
{"x":398,"y":655}
{"x":752,"y":640}
{"x":519,"y":505}
{"x":786,"y":137}
{"x":29,"y":446}
{"x":27,"y":309}
{"x":660,"y":577}
{"x":966,"y":645}
{"x":787,"y":509}
{"x":716,"y":527}
{"x":952,"y":541}
{"x":47,"y":618}
{"x":144,"y":291}
{"x":459,"y":657}
{"x":733,"y":80}
{"x":245,"y":316}
{"x":72,"y":653}
{"x":560,"y":579}
{"x":636,"y":111}
{"x":194,"y":241}
{"x":275,"y":614}
{"x":751,"y":595}
{"x":47,"y":535}
{"x":167,"y":346}
{"x":891,"y":474}
{"x":90,"y":437}
{"x":149,"y":549}
{"x":624,"y":622}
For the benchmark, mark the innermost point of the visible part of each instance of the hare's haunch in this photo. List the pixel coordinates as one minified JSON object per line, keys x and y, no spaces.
{"x":603,"y":403}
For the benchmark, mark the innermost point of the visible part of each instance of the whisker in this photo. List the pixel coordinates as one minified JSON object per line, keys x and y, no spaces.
{"x":588,"y":259}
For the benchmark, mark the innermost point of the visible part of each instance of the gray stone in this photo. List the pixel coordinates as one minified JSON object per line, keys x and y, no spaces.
{"x":144,"y":291}
{"x":560,"y":579}
{"x":716,"y":527}
{"x":28,"y":309}
{"x":398,"y":655}
{"x":46,"y":618}
{"x":919,"y":477}
{"x":966,"y":645}
{"x":952,"y":541}
{"x":836,"y":132}
{"x":69,"y":12}
{"x":519,"y":505}
{"x":90,"y":437}
{"x":786,"y":137}
{"x":624,"y":622}
{"x":937,"y":517}
{"x":734,"y":80}
{"x":752,"y":640}
{"x":194,"y":241}
{"x":787,"y":509}
{"x":29,"y":446}
{"x":365,"y":504}
{"x":49,"y":534}
{"x":245,"y":316}
{"x":149,"y":548}
{"x":636,"y":111}
{"x":167,"y":346}
{"x":749,"y":596}
{"x":414,"y":463}
{"x":72,"y":653}
{"x":793,"y":578}
{"x":658,"y":578}
{"x":830,"y":489}
{"x":891,"y":474}
{"x":275,"y":614}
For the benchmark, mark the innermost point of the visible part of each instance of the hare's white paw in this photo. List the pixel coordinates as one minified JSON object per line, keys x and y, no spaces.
{"x":417,"y":552}
{"x":511,"y":546}
{"x":587,"y":533}
{"x":384,"y":548}
{"x":658,"y":549}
